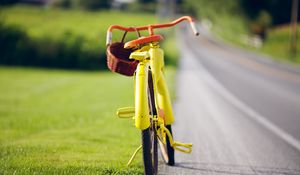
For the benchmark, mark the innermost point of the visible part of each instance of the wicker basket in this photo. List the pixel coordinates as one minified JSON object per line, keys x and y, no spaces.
{"x":118,"y":58}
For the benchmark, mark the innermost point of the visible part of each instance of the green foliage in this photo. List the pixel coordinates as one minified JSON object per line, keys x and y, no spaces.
{"x":278,"y":44}
{"x":17,"y":48}
{"x":63,"y":3}
{"x":94,"y":4}
{"x":146,"y":1}
{"x":228,"y":21}
{"x":148,"y":6}
{"x":279,"y":10}
{"x":11,"y":39}
{"x":212,"y":9}
{"x":68,"y":39}
{"x":261,"y":24}
{"x":170,"y":49}
{"x":234,"y":18}
{"x":264,"y":19}
{"x":8,"y":2}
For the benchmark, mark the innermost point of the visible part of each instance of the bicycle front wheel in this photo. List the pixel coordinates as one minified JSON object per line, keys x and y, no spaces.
{"x":167,"y":151}
{"x":149,"y":143}
{"x":149,"y":135}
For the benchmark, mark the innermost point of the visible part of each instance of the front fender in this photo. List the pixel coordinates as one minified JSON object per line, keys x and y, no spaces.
{"x":142,"y":117}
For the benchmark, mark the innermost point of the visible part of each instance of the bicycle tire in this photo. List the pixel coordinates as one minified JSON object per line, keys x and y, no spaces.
{"x":149,"y":136}
{"x":150,"y":167}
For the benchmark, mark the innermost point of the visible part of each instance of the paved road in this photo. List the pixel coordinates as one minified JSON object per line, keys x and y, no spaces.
{"x":241,"y":111}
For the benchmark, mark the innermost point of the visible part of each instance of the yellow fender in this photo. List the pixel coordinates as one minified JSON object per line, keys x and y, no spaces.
{"x":142,"y":118}
{"x":162,"y":98}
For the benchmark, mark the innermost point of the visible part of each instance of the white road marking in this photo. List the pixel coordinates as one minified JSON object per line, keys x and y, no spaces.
{"x":246,"y":109}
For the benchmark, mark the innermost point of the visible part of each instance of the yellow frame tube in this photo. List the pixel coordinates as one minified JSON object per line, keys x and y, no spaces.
{"x":142,"y":117}
{"x":163,"y":100}
{"x":161,"y":93}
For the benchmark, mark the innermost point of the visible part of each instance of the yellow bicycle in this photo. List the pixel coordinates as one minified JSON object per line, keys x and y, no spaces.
{"x":152,"y":113}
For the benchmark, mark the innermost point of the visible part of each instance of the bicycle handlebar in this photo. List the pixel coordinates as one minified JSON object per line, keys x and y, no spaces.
{"x":151,"y":27}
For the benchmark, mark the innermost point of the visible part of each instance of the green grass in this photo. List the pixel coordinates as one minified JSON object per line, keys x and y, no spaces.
{"x":229,"y":28}
{"x":227,"y":19}
{"x":170,"y":49}
{"x":54,"y":23}
{"x":278,"y":44}
{"x":61,"y":32}
{"x":64,"y":122}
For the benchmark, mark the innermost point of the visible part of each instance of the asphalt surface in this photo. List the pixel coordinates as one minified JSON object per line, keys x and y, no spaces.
{"x":240,"y":110}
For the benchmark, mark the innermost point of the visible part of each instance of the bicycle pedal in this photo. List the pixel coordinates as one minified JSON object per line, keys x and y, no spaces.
{"x":126,"y":112}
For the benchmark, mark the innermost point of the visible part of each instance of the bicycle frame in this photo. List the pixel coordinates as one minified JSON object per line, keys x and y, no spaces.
{"x":153,"y":59}
{"x":150,"y":55}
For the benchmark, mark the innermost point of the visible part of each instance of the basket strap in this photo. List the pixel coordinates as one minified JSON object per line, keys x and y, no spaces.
{"x":137,"y":33}
{"x":124,"y":35}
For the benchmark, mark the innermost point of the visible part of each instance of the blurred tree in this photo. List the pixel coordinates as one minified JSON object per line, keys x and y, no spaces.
{"x":261,"y":24}
{"x":8,"y":2}
{"x":85,"y":4}
{"x":143,"y":6}
{"x":62,"y":3}
{"x":94,"y":4}
{"x":279,"y":10}
{"x":264,"y":19}
{"x":146,"y":1}
{"x":210,"y":9}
